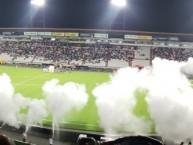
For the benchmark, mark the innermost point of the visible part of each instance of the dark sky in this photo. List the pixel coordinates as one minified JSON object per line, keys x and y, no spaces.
{"x":141,"y":15}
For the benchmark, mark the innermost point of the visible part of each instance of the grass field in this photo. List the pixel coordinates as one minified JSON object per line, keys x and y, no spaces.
{"x":29,"y":81}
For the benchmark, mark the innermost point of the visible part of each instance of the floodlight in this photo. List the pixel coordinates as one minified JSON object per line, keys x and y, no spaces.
{"x":119,"y":3}
{"x":38,"y":2}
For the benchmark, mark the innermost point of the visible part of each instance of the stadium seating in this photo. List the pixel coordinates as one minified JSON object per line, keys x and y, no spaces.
{"x":38,"y":52}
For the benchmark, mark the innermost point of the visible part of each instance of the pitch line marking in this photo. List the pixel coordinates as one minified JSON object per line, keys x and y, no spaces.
{"x":20,"y":76}
{"x":34,"y":85}
{"x":34,"y":78}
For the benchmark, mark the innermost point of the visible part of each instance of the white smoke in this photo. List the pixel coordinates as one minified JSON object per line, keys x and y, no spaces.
{"x":36,"y":112}
{"x":62,"y":98}
{"x":116,"y":100}
{"x":170,"y":100}
{"x":8,"y":107}
{"x":11,"y":105}
{"x":187,"y":67}
{"x":169,"y":97}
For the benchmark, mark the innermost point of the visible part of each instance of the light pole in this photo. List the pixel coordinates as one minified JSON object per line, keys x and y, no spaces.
{"x":119,"y":5}
{"x":38,"y":10}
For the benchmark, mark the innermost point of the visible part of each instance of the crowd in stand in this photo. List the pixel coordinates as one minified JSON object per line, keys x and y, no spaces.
{"x":58,"y":51}
{"x":91,"y":53}
{"x":178,"y":54}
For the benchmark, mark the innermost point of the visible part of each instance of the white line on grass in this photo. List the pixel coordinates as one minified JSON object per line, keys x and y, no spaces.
{"x":31,"y":79}
{"x":34,"y":85}
{"x":20,"y":76}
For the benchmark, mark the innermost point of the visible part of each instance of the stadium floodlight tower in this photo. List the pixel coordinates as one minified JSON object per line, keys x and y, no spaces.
{"x":119,"y":6}
{"x":38,"y":13}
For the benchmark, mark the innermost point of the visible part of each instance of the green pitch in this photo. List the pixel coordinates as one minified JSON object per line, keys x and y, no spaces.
{"x":29,"y":81}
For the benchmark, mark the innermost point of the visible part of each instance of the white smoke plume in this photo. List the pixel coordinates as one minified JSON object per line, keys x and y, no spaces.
{"x":116,"y":100}
{"x":9,"y":106}
{"x":36,"y":112}
{"x":62,"y":98}
{"x":170,"y":100}
{"x":169,"y":97}
{"x":187,"y":67}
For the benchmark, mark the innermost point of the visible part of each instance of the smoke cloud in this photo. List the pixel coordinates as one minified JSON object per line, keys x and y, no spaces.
{"x":169,"y":96}
{"x":8,"y":108}
{"x":170,"y":100}
{"x":62,"y":98}
{"x":59,"y":100}
{"x":116,"y":100}
{"x":187,"y":67}
{"x":11,"y":105}
{"x":36,"y":112}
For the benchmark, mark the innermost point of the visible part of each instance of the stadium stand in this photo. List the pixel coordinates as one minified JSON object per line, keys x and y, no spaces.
{"x":90,"y":49}
{"x":48,"y":52}
{"x":178,"y":54}
{"x":97,"y":55}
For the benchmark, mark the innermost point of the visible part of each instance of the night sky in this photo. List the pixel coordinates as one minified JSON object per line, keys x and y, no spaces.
{"x":141,"y":15}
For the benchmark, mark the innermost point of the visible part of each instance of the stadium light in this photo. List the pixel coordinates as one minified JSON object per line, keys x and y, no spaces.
{"x":121,"y":7}
{"x":37,"y":8}
{"x":119,"y":3}
{"x":38,"y":2}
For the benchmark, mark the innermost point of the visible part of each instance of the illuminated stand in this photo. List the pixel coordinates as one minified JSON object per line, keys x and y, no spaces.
{"x":38,"y":14}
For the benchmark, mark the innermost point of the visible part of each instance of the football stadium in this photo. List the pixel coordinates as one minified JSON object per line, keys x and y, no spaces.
{"x":76,"y":83}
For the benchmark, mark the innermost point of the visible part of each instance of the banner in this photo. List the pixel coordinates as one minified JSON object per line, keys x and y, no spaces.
{"x":36,"y":38}
{"x":173,"y":38}
{"x":143,"y":37}
{"x":45,"y":33}
{"x":30,"y":33}
{"x":71,"y":34}
{"x":7,"y":33}
{"x":101,"y":35}
{"x":131,"y":36}
{"x":160,"y":38}
{"x":18,"y":33}
{"x":86,"y":34}
{"x":60,"y":34}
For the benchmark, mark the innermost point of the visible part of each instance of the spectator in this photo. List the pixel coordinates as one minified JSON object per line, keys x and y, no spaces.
{"x":5,"y":140}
